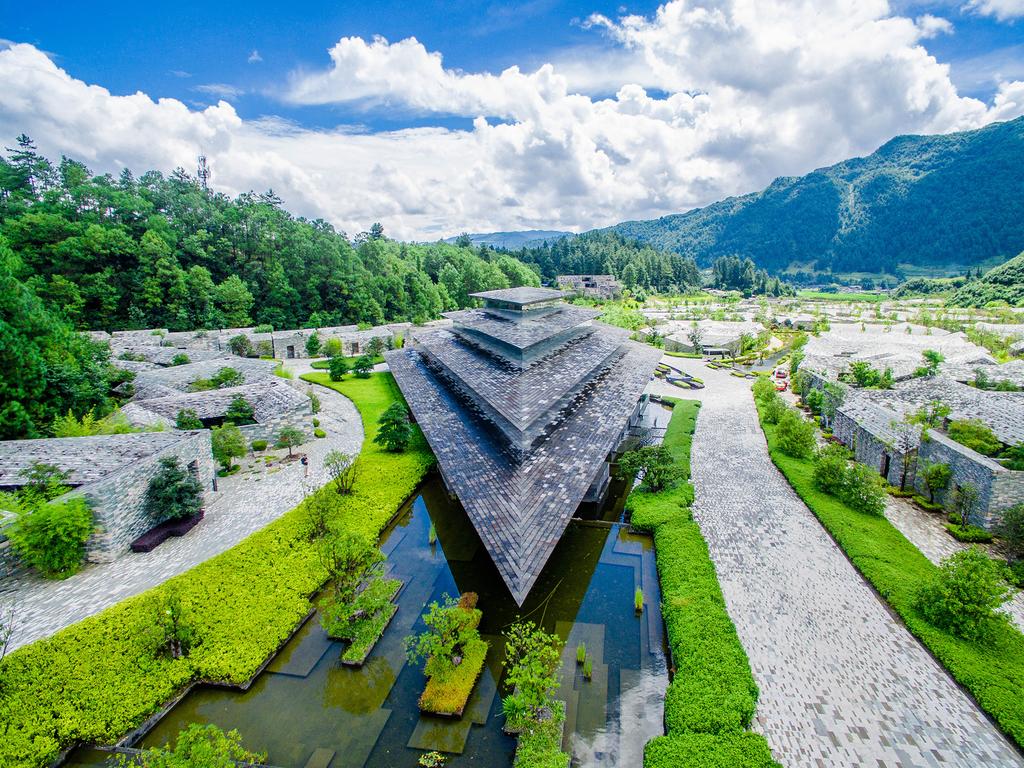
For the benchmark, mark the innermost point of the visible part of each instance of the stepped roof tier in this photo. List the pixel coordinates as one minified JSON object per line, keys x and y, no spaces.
{"x":522,"y":402}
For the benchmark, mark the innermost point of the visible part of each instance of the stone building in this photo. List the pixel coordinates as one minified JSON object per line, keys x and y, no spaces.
{"x":524,"y":402}
{"x":276,"y":404}
{"x":112,"y":472}
{"x":156,"y":382}
{"x":872,"y":424}
{"x":722,"y":337}
{"x":591,"y":286}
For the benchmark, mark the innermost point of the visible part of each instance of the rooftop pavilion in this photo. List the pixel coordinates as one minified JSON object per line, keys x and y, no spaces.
{"x":522,"y":402}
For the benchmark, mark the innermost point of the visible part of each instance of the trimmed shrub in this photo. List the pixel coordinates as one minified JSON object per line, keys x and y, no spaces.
{"x":259,"y":445}
{"x":319,"y":433}
{"x":187,"y":419}
{"x":705,"y":750}
{"x":338,"y":368}
{"x":863,"y":489}
{"x":830,"y":465}
{"x":395,"y":429}
{"x":970,"y":534}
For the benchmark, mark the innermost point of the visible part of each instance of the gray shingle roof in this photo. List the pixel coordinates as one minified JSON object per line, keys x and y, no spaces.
{"x":268,"y":398}
{"x":88,"y":459}
{"x":577,"y":400}
{"x":522,"y":296}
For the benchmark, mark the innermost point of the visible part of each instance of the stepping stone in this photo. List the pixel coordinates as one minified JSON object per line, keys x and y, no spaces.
{"x":303,"y":652}
{"x":321,"y":758}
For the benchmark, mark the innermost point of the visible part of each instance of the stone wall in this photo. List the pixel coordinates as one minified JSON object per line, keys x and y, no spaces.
{"x":118,"y":500}
{"x":998,"y":488}
{"x":871,"y":450}
{"x":268,"y":430}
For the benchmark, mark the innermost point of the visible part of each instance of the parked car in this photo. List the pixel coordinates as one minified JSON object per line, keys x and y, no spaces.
{"x":781,"y":373}
{"x":781,"y":385}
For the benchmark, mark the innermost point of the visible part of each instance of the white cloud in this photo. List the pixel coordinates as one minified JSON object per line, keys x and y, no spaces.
{"x":254,"y":57}
{"x":220,"y":90}
{"x":712,"y":98}
{"x":1003,"y":10}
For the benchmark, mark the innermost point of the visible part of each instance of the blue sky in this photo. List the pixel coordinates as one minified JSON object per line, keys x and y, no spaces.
{"x":676,"y":109}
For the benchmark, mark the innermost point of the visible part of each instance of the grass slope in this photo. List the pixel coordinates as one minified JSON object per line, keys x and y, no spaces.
{"x":712,"y":696}
{"x":994,"y":673}
{"x":97,"y":679}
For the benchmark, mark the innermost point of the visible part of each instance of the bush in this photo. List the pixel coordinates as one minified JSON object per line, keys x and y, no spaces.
{"x":198,"y":745}
{"x":259,"y":445}
{"x":319,"y":433}
{"x":51,"y":537}
{"x":338,"y":368}
{"x":936,"y":478}
{"x":970,"y":534}
{"x":830,"y":465}
{"x":532,"y":660}
{"x":241,"y":346}
{"x":975,"y":435}
{"x":540,"y":742}
{"x":1011,"y":528}
{"x":180,"y":359}
{"x":363,"y":366}
{"x":795,"y":435}
{"x":240,"y":412}
{"x":332,"y":347}
{"x":863,"y":489}
{"x":654,"y":464}
{"x":966,"y":596}
{"x":774,"y":408}
{"x":263,"y":328}
{"x":173,"y":492}
{"x":313,"y":344}
{"x":705,"y":750}
{"x":342,"y":468}
{"x":764,"y":389}
{"x":244,"y":602}
{"x":228,"y":443}
{"x":187,"y":419}
{"x":316,"y":422}
{"x":395,"y":429}
{"x":222,"y":379}
{"x":314,"y":402}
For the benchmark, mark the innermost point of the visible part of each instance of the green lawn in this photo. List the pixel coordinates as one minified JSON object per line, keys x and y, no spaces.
{"x":323,"y":364}
{"x":994,"y":674}
{"x":867,"y":296}
{"x":712,"y":696}
{"x":99,"y":678}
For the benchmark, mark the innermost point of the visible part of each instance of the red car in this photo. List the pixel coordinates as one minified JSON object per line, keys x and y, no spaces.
{"x":781,"y":385}
{"x":781,"y":373}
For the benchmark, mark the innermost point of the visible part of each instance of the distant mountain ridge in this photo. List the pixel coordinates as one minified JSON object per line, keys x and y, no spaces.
{"x":954,"y":199}
{"x":514,"y":240}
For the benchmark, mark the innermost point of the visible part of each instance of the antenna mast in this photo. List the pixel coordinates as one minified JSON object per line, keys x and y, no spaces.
{"x":203,"y":172}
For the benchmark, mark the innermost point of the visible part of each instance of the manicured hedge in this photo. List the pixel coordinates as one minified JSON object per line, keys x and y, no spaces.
{"x":712,"y":696}
{"x":722,"y":750}
{"x":993,"y":673}
{"x":97,"y":679}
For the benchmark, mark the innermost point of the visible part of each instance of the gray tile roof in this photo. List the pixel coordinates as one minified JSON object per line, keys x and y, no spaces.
{"x":88,"y":459}
{"x":578,"y":399}
{"x":522,"y":296}
{"x":179,"y":377}
{"x":268,"y":398}
{"x":521,"y":334}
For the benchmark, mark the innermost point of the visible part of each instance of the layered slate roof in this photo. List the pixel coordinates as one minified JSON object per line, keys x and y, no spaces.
{"x":521,"y":439}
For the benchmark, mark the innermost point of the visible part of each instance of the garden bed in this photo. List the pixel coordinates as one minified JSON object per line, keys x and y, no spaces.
{"x":540,"y":743}
{"x":157,"y":535}
{"x":365,"y":634}
{"x":712,"y":695}
{"x":447,"y":695}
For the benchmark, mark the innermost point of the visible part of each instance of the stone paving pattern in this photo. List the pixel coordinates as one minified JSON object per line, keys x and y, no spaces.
{"x":243,"y":505}
{"x":925,"y":531}
{"x":842,"y":682}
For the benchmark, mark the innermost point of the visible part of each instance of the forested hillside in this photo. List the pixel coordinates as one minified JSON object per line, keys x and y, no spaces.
{"x":1003,"y":283}
{"x":164,"y":252}
{"x":956,"y":199}
{"x":609,"y":253}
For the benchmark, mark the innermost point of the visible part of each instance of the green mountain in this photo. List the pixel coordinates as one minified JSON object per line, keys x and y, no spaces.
{"x":1004,"y":283}
{"x":954,"y":200}
{"x":513,"y":240}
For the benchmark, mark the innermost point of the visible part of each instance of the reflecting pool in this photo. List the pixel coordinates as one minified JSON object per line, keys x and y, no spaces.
{"x":307,"y":709}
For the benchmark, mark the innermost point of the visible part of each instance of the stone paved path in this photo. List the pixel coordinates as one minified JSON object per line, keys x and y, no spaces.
{"x":842,"y":682}
{"x":926,"y":532}
{"x":242,"y":506}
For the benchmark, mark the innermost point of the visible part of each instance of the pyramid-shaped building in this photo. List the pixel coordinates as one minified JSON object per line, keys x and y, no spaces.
{"x":523,"y":402}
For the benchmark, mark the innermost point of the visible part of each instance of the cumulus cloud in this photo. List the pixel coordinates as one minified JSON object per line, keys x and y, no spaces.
{"x":714,"y":97}
{"x":1003,"y":10}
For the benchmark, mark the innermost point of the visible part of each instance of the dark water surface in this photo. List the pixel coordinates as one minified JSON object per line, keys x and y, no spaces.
{"x":307,"y":705}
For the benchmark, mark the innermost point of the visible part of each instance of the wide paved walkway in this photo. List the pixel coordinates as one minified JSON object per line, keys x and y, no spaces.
{"x":243,"y":505}
{"x":842,"y":682}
